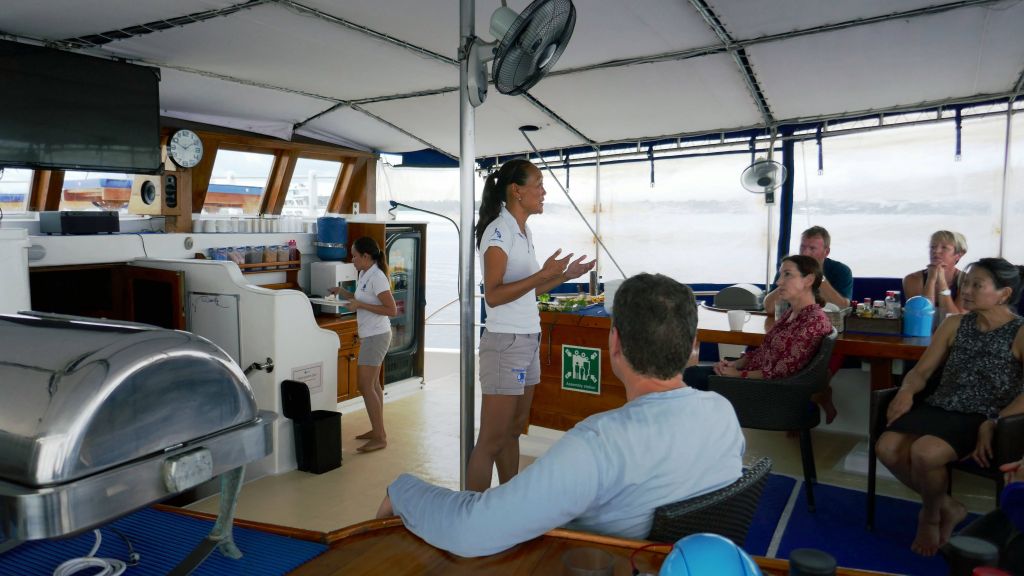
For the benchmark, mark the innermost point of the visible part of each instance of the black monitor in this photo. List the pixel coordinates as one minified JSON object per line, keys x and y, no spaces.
{"x":70,"y":111}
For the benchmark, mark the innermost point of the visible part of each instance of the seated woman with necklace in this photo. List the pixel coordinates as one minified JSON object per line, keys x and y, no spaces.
{"x":981,"y":355}
{"x":794,"y":338}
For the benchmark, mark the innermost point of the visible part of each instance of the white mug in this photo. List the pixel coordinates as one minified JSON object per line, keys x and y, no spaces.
{"x":737,"y":318}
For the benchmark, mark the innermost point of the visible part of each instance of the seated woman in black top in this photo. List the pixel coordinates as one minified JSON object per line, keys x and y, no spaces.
{"x":982,"y":379}
{"x":940,"y":281}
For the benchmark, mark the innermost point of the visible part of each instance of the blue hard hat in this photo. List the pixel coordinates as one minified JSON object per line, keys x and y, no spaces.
{"x":708,"y":555}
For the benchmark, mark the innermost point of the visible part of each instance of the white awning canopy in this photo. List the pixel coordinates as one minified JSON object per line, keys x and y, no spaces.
{"x":382,"y":74}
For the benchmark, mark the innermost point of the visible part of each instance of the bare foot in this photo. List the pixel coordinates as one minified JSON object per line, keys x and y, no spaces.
{"x":926,"y":543}
{"x":365,"y":435}
{"x":373,"y":445}
{"x":953,"y":513}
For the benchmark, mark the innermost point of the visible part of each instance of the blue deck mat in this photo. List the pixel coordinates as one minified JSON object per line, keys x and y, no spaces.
{"x":769,"y":511}
{"x":838,"y":527}
{"x":162,"y":539}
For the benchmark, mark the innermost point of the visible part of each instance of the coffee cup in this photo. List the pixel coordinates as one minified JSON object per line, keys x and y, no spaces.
{"x":737,"y":318}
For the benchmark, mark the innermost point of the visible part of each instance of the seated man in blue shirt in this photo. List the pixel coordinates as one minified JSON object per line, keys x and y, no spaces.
{"x":669,"y":442}
{"x":837,"y":287}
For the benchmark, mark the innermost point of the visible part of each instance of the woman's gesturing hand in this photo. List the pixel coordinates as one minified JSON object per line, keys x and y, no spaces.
{"x":899,"y":406}
{"x":577,"y":268}
{"x":983,"y":449}
{"x":554,"y":266}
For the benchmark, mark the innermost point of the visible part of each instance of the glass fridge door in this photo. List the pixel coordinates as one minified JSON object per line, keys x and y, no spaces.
{"x":403,"y":251}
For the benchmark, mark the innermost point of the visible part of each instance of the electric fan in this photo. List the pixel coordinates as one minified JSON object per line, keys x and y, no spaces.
{"x":763,"y":176}
{"x":528,"y":45}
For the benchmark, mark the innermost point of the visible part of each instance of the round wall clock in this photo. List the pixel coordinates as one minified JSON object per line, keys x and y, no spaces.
{"x":185,"y":148}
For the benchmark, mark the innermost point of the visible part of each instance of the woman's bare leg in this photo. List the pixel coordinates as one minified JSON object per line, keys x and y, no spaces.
{"x":507,"y":460}
{"x":497,"y":415}
{"x":929,"y":456}
{"x":373,"y":398}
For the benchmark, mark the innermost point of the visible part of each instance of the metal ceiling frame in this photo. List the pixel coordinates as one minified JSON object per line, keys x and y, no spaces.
{"x":739,"y":56}
{"x":728,"y":45}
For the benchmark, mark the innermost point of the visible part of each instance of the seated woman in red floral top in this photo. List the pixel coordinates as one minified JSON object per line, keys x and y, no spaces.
{"x":794,"y":339}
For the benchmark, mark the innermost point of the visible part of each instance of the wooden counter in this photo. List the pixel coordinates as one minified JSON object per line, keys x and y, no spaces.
{"x":560,"y":409}
{"x":348,"y":352}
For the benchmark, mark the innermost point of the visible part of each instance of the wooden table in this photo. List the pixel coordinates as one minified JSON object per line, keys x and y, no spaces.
{"x":878,"y":350}
{"x":559,"y":409}
{"x":386,"y":547}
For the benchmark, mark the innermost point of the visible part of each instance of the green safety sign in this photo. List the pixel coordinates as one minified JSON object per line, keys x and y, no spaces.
{"x":581,"y":369}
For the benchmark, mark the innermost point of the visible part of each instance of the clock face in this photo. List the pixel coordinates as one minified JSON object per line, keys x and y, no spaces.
{"x":185,"y":148}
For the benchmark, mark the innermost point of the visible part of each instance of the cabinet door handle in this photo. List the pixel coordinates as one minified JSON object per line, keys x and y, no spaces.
{"x":351,"y":357}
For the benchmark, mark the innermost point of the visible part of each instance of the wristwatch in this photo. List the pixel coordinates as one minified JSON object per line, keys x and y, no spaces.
{"x":946,"y":292}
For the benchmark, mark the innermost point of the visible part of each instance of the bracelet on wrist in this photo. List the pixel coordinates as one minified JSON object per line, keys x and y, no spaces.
{"x":946,"y":292}
{"x":743,"y":373}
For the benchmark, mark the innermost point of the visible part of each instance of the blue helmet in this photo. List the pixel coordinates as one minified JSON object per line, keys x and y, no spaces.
{"x":708,"y":555}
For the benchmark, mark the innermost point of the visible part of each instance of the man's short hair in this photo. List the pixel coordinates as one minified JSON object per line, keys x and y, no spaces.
{"x":656,"y":318}
{"x":818,"y":231}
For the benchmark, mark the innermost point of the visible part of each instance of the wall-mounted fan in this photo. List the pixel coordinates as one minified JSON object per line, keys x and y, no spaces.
{"x":763,"y":176}
{"x":529,"y":43}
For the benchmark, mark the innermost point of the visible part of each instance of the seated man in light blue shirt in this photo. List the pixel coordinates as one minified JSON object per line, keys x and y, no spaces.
{"x":669,"y":442}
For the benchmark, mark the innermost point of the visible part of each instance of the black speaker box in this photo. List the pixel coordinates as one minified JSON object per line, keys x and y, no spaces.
{"x":75,"y":222}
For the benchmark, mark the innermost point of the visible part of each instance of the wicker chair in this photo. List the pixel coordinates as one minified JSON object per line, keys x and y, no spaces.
{"x":1007,"y":445}
{"x":727,"y":511}
{"x":783,"y":404}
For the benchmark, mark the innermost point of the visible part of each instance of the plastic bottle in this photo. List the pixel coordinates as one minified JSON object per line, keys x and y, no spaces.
{"x":891,"y":305}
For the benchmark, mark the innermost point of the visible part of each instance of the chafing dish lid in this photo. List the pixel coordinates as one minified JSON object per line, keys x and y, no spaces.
{"x":82,"y":395}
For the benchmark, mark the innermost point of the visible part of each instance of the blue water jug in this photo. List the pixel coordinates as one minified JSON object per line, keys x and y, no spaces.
{"x":332,"y":238}
{"x":708,"y":555}
{"x":918,"y":316}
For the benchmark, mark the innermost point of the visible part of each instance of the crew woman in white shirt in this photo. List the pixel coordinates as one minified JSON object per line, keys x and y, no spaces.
{"x":510,"y":344}
{"x":374,"y":305}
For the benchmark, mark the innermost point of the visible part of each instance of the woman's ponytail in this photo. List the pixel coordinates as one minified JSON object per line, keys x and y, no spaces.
{"x":511,"y":172}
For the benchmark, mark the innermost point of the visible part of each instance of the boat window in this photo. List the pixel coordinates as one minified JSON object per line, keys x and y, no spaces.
{"x":93,"y":191}
{"x":310,"y":190}
{"x":15,"y":186}
{"x":1013,"y":227}
{"x":237,"y":183}
{"x":882,"y":194}
{"x":695,"y":224}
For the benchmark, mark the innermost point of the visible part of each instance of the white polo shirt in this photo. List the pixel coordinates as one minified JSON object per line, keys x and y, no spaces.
{"x":519,"y":316}
{"x":370,"y":283}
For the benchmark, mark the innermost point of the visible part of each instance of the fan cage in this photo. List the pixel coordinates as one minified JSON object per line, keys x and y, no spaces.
{"x":517,"y":64}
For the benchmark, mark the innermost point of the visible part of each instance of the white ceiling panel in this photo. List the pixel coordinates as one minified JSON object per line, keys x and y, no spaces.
{"x":436,"y":119}
{"x":59,"y":19}
{"x":203,"y":99}
{"x":746,"y":20}
{"x":272,"y":45}
{"x":354,"y":126}
{"x":605,"y":29}
{"x":649,"y":100}
{"x":971,"y":52}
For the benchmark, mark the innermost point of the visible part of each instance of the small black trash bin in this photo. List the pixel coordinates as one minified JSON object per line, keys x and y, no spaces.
{"x":317,"y":432}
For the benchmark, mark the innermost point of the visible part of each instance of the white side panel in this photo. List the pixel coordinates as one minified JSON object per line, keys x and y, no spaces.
{"x":277,"y":324}
{"x":14,"y":294}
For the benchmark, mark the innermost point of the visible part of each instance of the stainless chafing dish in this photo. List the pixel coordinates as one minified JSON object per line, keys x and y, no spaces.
{"x":100,"y":418}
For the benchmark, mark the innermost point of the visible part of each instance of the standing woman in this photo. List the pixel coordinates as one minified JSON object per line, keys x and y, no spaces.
{"x":510,"y":345}
{"x":939,"y":282}
{"x":374,"y":305}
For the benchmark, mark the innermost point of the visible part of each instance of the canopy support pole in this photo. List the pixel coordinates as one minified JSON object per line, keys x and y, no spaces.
{"x":467,"y":153}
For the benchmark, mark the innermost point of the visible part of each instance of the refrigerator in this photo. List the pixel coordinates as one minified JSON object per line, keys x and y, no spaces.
{"x":405,"y":252}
